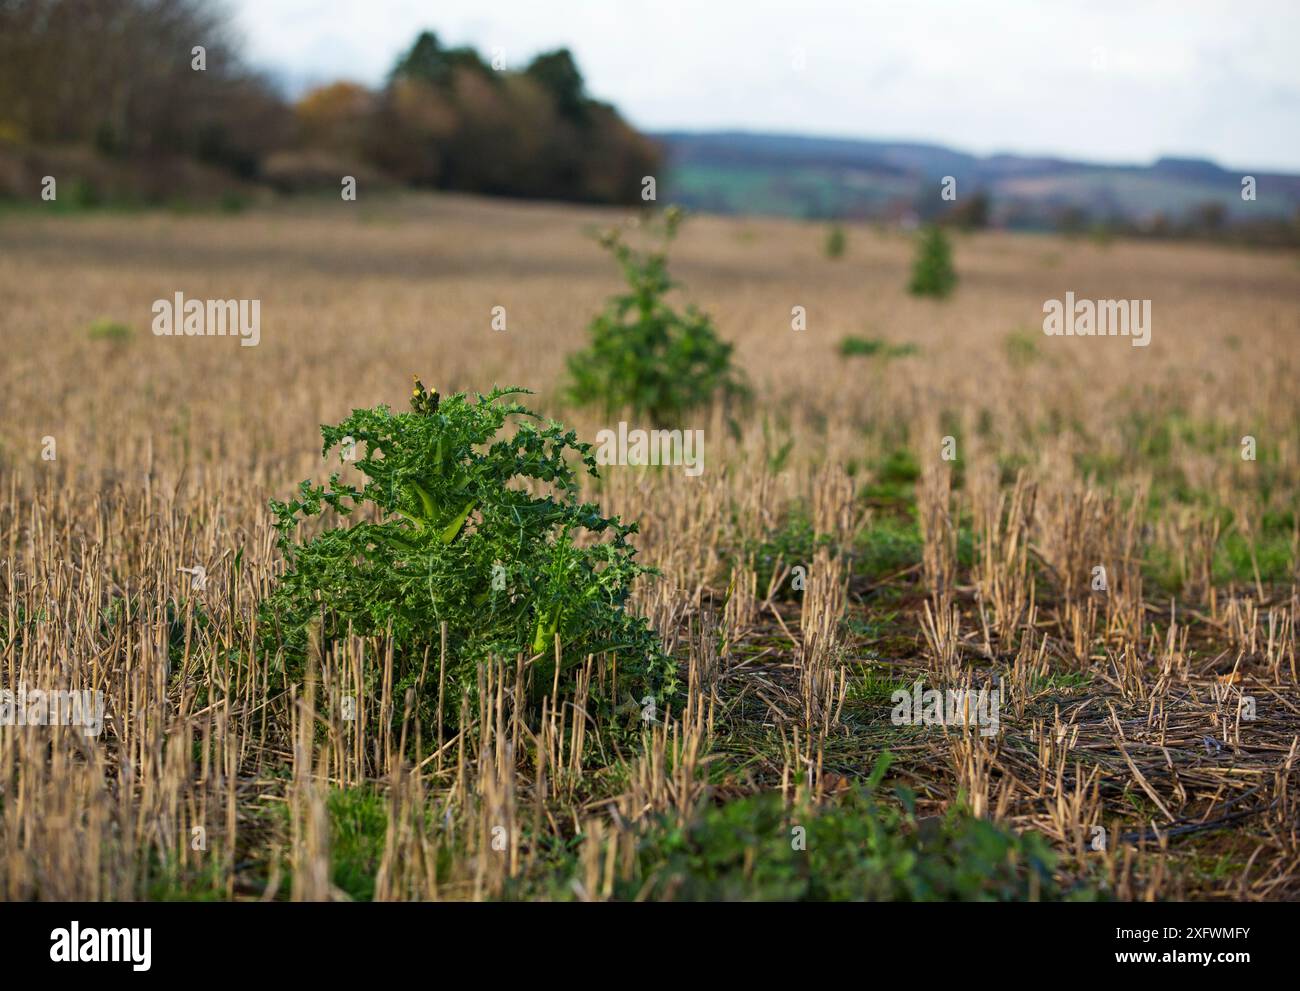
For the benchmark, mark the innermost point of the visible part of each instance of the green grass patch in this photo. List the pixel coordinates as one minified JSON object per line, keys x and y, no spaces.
{"x":888,"y":545}
{"x":873,"y":347}
{"x":793,"y":542}
{"x":754,"y":849}
{"x":358,"y":824}
{"x":104,"y":329}
{"x":1022,"y":347}
{"x":895,"y":476}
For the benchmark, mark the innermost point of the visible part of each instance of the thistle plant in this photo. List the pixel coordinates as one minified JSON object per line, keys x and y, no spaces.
{"x":646,"y":356}
{"x":932,"y":271}
{"x":453,"y":535}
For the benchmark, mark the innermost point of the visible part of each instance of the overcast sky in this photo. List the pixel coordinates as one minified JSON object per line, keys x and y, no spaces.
{"x":1102,"y":80}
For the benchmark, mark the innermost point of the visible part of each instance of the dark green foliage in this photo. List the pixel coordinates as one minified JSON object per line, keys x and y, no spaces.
{"x":888,"y":545}
{"x":358,"y":827}
{"x":871,"y":347}
{"x":646,"y":356}
{"x":932,"y":272}
{"x":429,"y":62}
{"x":450,"y":536}
{"x":860,"y":849}
{"x":558,"y":74}
{"x":894,"y":478}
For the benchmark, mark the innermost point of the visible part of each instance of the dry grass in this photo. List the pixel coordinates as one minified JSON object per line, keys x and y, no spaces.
{"x":1121,"y":708}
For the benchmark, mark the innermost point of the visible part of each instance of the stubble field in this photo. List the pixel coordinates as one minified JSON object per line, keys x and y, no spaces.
{"x":1148,"y":741}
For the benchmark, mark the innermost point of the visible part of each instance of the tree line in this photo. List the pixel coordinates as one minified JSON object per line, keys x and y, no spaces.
{"x":144,"y":83}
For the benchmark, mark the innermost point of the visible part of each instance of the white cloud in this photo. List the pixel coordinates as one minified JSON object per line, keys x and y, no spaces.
{"x":1212,"y":78}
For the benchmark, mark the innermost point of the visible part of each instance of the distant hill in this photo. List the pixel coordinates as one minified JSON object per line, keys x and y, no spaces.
{"x":790,"y":175}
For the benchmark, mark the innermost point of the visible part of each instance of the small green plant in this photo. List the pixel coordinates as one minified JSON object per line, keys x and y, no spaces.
{"x":853,"y":347}
{"x":791,"y":542}
{"x":646,"y":356}
{"x":453,"y":537}
{"x":104,"y":329}
{"x":1022,"y":347}
{"x":1101,"y":235}
{"x":932,"y":272}
{"x":863,"y":848}
{"x":887,"y":546}
{"x":358,"y":825}
{"x":836,"y":241}
{"x":894,"y":478}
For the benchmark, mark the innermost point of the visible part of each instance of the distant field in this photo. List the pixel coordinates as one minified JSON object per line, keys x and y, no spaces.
{"x":803,"y":177}
{"x":1122,"y":708}
{"x":819,"y":191}
{"x":782,"y":192}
